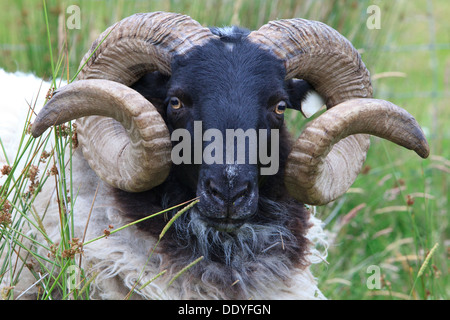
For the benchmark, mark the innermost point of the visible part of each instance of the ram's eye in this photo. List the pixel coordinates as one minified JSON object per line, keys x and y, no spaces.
{"x":175,"y":103}
{"x":280,"y":107}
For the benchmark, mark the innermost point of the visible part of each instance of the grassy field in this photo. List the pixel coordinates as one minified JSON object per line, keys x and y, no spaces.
{"x":394,"y":218}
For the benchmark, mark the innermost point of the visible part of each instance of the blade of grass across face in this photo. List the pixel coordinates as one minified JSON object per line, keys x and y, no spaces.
{"x":175,"y":217}
{"x":138,"y":221}
{"x":190,"y":265}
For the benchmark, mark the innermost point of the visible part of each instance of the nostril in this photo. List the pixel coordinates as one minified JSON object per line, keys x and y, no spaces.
{"x":215,"y":192}
{"x":212,"y":189}
{"x":242,"y":192}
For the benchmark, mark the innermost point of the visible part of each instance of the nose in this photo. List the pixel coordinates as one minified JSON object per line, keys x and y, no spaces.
{"x":223,"y":194}
{"x":229,"y":193}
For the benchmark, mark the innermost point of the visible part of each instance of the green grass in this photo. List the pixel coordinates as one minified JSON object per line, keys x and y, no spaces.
{"x":392,"y":217}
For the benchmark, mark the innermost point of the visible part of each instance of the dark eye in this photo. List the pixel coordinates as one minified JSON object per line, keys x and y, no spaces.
{"x":175,"y":103}
{"x":280,"y":107}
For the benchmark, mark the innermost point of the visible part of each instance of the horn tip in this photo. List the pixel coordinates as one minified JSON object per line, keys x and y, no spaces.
{"x":37,"y":129}
{"x":423,"y":150}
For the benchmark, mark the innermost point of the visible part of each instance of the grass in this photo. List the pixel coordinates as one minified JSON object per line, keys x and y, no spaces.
{"x":394,"y":217}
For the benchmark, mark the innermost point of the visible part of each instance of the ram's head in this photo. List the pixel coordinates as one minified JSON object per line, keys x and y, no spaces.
{"x":245,"y":81}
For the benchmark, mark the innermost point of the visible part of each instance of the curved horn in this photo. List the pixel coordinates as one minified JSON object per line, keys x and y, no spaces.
{"x":319,"y":54}
{"x":139,"y":44}
{"x":126,"y":51}
{"x":137,"y":161}
{"x":315,"y":52}
{"x":316,"y":175}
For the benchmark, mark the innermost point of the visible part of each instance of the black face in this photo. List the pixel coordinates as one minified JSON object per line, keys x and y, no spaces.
{"x":214,"y":90}
{"x":226,"y":87}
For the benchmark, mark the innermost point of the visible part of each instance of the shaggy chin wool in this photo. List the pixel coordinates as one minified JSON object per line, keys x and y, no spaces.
{"x":235,"y":263}
{"x":267,"y":257}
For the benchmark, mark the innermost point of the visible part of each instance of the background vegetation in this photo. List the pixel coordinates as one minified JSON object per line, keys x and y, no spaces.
{"x":396,"y":211}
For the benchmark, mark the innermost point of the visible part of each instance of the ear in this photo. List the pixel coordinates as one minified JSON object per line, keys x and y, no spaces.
{"x":153,"y":86}
{"x":303,"y":97}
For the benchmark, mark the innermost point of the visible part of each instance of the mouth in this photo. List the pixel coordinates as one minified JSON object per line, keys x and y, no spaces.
{"x":224,"y":224}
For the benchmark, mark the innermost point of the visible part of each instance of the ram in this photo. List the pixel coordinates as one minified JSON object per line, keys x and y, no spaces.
{"x":150,"y":76}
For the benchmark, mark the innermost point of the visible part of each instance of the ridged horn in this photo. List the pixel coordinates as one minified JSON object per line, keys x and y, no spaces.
{"x":320,"y":55}
{"x":138,"y":160}
{"x":319,"y":176}
{"x":141,"y":43}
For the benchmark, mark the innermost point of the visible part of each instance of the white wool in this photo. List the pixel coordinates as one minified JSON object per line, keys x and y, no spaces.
{"x":312,"y":104}
{"x":18,"y":91}
{"x":118,"y":261}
